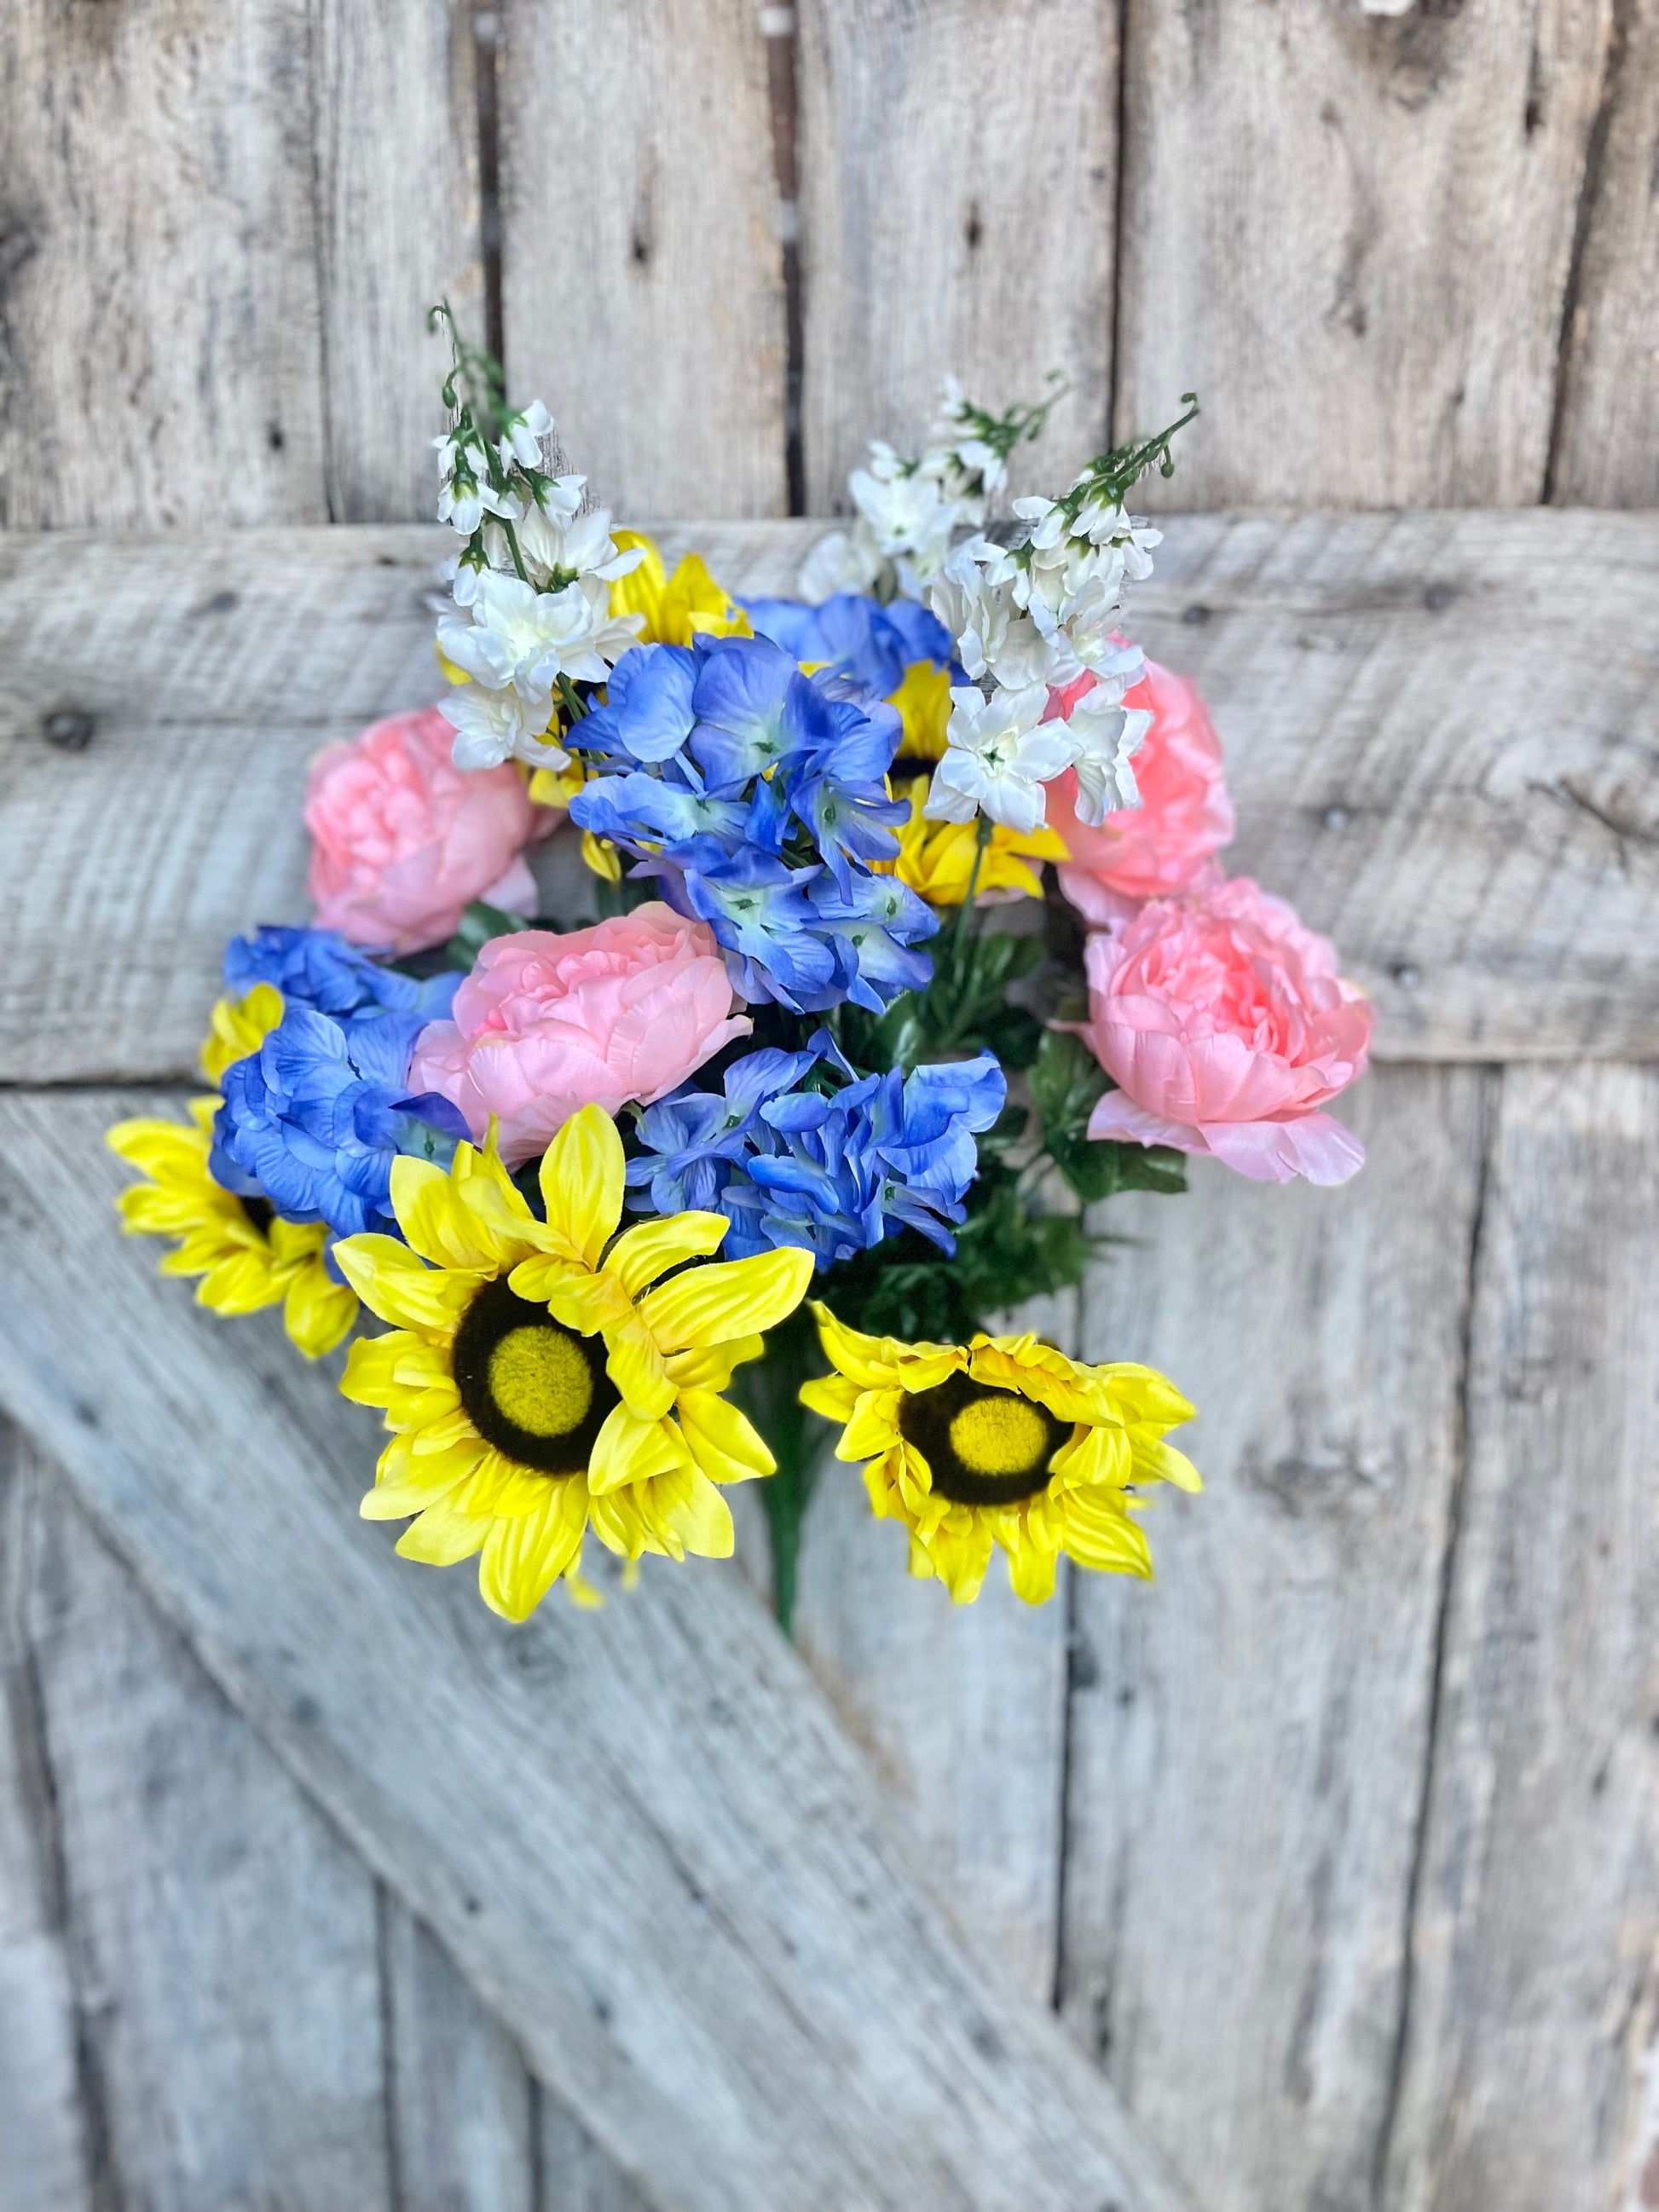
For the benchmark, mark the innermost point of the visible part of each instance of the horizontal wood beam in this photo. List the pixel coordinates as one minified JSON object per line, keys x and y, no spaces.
{"x":1441,"y":731}
{"x":639,"y":1833}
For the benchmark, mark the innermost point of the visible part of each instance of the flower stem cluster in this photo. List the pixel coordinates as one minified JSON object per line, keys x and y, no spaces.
{"x":1039,"y":617}
{"x":910,"y":508}
{"x":531,"y":582}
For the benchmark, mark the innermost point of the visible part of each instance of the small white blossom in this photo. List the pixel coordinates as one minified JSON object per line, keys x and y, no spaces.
{"x":1105,"y":737}
{"x":522,"y":441}
{"x":465,"y":494}
{"x":998,"y":754}
{"x":974,"y":596}
{"x":571,"y":543}
{"x":521,"y":640}
{"x":493,"y":726}
{"x":845,"y":561}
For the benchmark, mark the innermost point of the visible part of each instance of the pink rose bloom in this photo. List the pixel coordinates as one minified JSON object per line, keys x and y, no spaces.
{"x":545,"y":1024}
{"x":1226,"y":1027}
{"x":1166,"y":843}
{"x":402,"y":839}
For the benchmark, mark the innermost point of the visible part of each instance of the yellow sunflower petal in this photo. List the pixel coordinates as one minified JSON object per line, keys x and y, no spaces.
{"x":1031,"y":1570}
{"x":319,"y":1311}
{"x":960,"y":1558}
{"x":638,"y":1368}
{"x":402,"y":1289}
{"x":878,"y":1362}
{"x":732,"y":1297}
{"x":156,"y":1147}
{"x":708,"y":1366}
{"x":1162,"y":1463}
{"x":640,"y":1255}
{"x":581,"y":1181}
{"x":371,"y":1368}
{"x":832,"y":1395}
{"x":524,"y":1557}
{"x":692,"y":1510}
{"x":242,"y":1283}
{"x":240,"y":1027}
{"x":441,"y":1537}
{"x":723,"y":1443}
{"x":629,"y":1450}
{"x":872,"y":1426}
{"x":1098,"y":1533}
{"x":422,"y":1485}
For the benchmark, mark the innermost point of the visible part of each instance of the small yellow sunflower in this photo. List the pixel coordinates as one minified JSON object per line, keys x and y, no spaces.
{"x":677,"y":608}
{"x":1003,"y":1441}
{"x":536,"y":1384}
{"x":247,"y":1256}
{"x":936,"y":858}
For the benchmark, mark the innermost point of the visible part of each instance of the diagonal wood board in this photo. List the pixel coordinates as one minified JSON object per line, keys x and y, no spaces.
{"x":640,"y":1834}
{"x":1440,"y":730}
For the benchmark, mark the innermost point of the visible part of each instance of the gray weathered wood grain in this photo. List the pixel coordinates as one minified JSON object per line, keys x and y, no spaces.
{"x":575,"y":2175}
{"x":462,"y":2105}
{"x":1440,"y":733}
{"x":1350,"y":228}
{"x":961,"y":1709}
{"x":642,"y":274}
{"x":161,"y":354}
{"x":1249,"y":1733}
{"x":1529,"y":2051}
{"x":397,"y":228}
{"x":1606,"y":432}
{"x":640,"y":1834}
{"x":229,"y":1975}
{"x":50,"y":2155}
{"x":958,"y":174}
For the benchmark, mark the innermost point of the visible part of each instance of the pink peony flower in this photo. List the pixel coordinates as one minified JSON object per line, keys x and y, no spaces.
{"x":1169,"y":841}
{"x":1226,"y":1026}
{"x":545,"y":1024}
{"x":402,"y":839}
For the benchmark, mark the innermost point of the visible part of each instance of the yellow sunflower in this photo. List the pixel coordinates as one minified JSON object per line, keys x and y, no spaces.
{"x":923,"y":700}
{"x":936,"y":858}
{"x":677,"y":608}
{"x":1003,"y":1441}
{"x":246,"y":1255}
{"x":536,"y":1384}
{"x":239,"y":1026}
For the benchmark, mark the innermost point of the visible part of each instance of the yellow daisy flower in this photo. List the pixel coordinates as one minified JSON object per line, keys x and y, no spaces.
{"x":537,"y":1384}
{"x":1003,"y":1441}
{"x":239,"y":1026}
{"x":936,"y":858}
{"x":677,"y":608}
{"x":246,"y":1255}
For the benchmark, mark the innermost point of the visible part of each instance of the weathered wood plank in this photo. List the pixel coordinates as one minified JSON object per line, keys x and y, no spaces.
{"x":577,"y":2176}
{"x":1607,"y":443}
{"x":49,"y":2159}
{"x":1249,"y":1735}
{"x":1440,"y":732}
{"x":397,"y":228}
{"x":1529,"y":2051}
{"x":230,"y":1974}
{"x":643,"y":273}
{"x":161,"y":351}
{"x":962,"y":1710}
{"x":640,"y":1834}
{"x":958,"y":174}
{"x":462,"y":2105}
{"x":1350,"y":229}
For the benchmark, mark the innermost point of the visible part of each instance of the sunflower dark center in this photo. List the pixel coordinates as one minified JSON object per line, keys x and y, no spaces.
{"x":260,"y":1212}
{"x":530,"y":1386}
{"x":984,"y":1446}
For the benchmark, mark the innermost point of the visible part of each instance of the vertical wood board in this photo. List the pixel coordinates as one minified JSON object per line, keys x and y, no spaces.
{"x":643,"y":273}
{"x":1350,"y":228}
{"x":1250,"y":1733}
{"x":1534,"y":1995}
{"x":161,"y":346}
{"x":959,"y":173}
{"x":1606,"y":442}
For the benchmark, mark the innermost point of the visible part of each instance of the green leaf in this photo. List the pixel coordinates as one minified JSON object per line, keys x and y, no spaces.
{"x":1067,"y":1082}
{"x":479,"y":923}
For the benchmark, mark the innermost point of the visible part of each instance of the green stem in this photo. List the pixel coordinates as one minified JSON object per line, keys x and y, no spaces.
{"x":769,"y":1394}
{"x":512,"y":548}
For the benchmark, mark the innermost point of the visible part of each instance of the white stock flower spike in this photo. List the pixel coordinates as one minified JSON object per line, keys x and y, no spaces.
{"x":998,"y":754}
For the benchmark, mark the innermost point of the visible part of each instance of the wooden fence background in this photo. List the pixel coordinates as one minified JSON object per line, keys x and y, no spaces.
{"x":1337,"y":1850}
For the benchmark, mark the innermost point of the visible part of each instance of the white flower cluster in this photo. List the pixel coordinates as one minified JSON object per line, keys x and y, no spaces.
{"x":532,"y":591}
{"x":909,"y":511}
{"x":1033,"y":618}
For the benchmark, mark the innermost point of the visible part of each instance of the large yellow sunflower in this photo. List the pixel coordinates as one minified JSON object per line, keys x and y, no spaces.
{"x":246,"y":1255}
{"x":1005,"y":1441}
{"x":536,"y":1384}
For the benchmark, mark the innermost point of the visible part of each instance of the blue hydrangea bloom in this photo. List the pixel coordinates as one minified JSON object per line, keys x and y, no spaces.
{"x":833,"y":1171}
{"x":314,"y":1120}
{"x":856,"y":637}
{"x":763,"y":818}
{"x":318,"y":968}
{"x":648,"y":711}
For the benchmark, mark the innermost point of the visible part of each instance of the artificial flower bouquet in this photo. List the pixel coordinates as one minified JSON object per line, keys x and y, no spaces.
{"x":912,"y":945}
